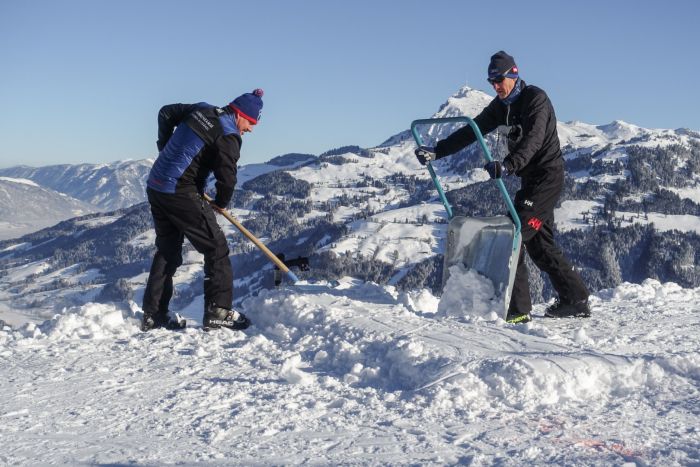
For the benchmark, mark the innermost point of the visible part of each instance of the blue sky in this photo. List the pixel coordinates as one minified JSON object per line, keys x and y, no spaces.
{"x":82,"y":81}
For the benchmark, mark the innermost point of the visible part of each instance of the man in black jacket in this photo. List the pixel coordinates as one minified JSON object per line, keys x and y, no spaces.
{"x":195,"y":140}
{"x":535,"y":156}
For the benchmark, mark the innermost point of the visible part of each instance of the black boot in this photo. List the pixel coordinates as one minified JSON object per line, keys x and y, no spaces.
{"x":162,"y":320}
{"x":561,"y":309}
{"x":216,"y":317}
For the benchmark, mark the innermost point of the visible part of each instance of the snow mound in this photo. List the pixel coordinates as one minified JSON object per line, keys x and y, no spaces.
{"x":332,"y":332}
{"x":468,"y":294}
{"x":90,"y":321}
{"x":366,"y":336}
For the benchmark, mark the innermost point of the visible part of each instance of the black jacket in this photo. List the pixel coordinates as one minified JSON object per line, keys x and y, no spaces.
{"x":533,"y":142}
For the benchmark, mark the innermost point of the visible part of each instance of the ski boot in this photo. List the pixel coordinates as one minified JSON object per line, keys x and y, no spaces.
{"x":518,"y":318}
{"x":162,"y":320}
{"x":216,"y":317}
{"x":561,"y":309}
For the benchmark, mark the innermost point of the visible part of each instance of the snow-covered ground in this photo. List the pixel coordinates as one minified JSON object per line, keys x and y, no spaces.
{"x":359,"y":374}
{"x":569,"y":216}
{"x":396,"y":237}
{"x":691,"y":193}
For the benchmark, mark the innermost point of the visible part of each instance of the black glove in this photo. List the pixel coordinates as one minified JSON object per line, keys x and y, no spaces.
{"x":494,"y":168}
{"x":425,"y":154}
{"x":497,"y":169}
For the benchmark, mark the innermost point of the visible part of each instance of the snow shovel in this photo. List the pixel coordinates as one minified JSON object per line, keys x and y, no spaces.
{"x":488,"y":245}
{"x":283,"y":267}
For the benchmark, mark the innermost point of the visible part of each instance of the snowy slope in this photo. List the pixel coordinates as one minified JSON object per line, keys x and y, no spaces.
{"x":569,"y":216}
{"x":360,"y":374}
{"x":389,"y":238}
{"x":248,"y":172}
{"x":578,"y":135}
{"x":26,"y":207}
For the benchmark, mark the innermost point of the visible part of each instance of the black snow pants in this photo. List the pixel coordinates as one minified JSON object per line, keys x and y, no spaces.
{"x":176,"y":217}
{"x":534,"y":203}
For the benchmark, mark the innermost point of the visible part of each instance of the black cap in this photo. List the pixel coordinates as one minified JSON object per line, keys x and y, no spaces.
{"x":500,"y":64}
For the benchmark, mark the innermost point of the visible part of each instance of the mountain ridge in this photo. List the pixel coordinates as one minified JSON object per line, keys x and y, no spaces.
{"x":373,"y":213}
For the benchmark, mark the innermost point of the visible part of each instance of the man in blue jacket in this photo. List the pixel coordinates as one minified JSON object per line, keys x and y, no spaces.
{"x":196,"y":140}
{"x":534,"y":155}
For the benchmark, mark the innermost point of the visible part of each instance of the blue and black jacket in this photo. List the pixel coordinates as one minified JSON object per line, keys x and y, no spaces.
{"x":195,"y":140}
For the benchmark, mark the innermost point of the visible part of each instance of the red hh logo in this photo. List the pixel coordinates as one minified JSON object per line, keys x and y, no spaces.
{"x":535,"y":223}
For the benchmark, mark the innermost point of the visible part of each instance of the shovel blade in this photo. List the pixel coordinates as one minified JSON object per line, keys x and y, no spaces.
{"x":484,"y":244}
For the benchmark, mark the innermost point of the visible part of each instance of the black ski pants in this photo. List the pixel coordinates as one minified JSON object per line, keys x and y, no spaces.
{"x":534,"y":203}
{"x":176,"y":217}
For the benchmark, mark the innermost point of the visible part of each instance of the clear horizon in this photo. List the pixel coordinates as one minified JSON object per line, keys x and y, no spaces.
{"x":83,"y":81}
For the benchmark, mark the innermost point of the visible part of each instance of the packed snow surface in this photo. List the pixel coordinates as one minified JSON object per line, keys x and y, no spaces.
{"x":359,"y":374}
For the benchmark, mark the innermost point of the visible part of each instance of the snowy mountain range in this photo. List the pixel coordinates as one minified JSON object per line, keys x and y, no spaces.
{"x":105,"y":186}
{"x":374,"y":214}
{"x":375,"y":368}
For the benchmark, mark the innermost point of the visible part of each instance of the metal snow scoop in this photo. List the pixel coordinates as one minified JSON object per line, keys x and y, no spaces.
{"x":279,"y":263}
{"x":488,"y":245}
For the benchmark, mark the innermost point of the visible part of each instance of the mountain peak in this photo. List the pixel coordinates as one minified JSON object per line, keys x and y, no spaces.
{"x":619,"y":129}
{"x":467,"y":101}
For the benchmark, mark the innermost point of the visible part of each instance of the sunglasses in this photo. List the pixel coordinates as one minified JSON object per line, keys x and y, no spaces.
{"x":496,"y":80}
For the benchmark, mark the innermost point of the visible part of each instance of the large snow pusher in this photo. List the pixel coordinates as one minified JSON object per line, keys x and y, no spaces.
{"x":488,"y":245}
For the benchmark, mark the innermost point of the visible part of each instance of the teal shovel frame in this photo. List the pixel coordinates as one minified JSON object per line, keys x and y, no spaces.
{"x":489,"y":245}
